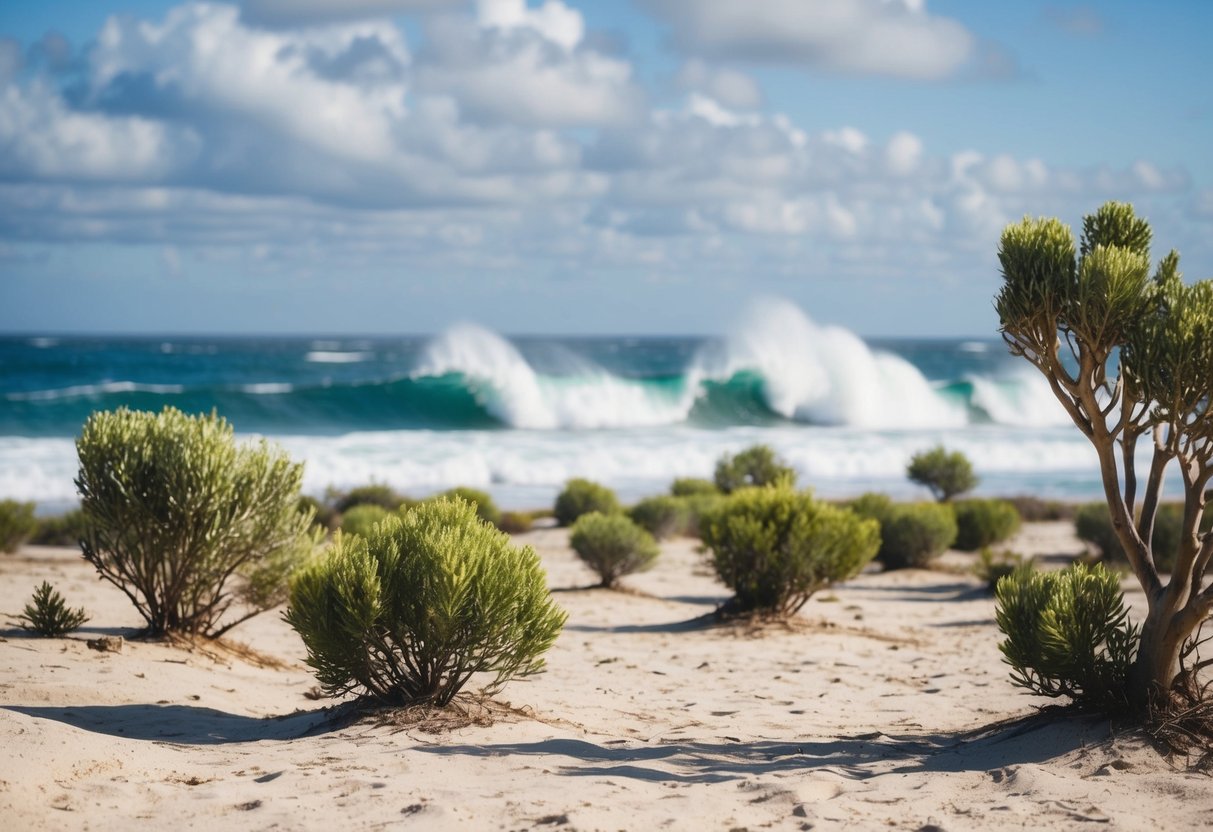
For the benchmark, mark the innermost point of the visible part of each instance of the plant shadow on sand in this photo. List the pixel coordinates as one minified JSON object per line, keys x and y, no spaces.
{"x":181,"y":724}
{"x":1033,"y":739}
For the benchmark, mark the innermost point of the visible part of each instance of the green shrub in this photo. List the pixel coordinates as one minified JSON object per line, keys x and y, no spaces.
{"x":433,"y":597}
{"x":65,"y":529}
{"x":1035,"y":510}
{"x":662,"y":516}
{"x":48,"y":615}
{"x":946,"y":474}
{"x":486,"y":509}
{"x":17,"y":524}
{"x":186,"y":522}
{"x":914,"y":534}
{"x":516,"y":522}
{"x":362,"y":518}
{"x":612,"y":545}
{"x":755,"y":466}
{"x":698,"y":506}
{"x":374,"y":494}
{"x":324,"y":516}
{"x":1067,"y":633}
{"x":981,"y":523}
{"x":692,"y":487}
{"x":1093,"y":523}
{"x":775,"y":547}
{"x":872,"y":505}
{"x":991,"y":568}
{"x":580,"y":496}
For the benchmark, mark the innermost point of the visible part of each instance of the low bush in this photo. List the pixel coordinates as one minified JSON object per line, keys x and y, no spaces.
{"x":992,"y":567}
{"x":187,"y":523}
{"x":911,"y":534}
{"x":17,"y":524}
{"x":755,"y":466}
{"x":486,"y":509}
{"x":981,"y":523}
{"x":374,"y":494}
{"x":434,"y":597}
{"x":581,"y":496}
{"x":65,"y":529}
{"x":945,"y":474}
{"x":662,"y":516}
{"x":698,"y":506}
{"x":324,"y":516}
{"x":775,"y":547}
{"x":692,"y":487}
{"x":612,"y":545}
{"x":1067,"y":633}
{"x":516,"y":522}
{"x":362,"y":518}
{"x":1093,"y":523}
{"x":47,"y":614}
{"x":1035,"y":510}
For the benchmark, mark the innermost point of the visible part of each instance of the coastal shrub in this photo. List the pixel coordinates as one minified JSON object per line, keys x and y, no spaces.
{"x":1093,"y":524}
{"x":486,"y":509}
{"x":433,"y":597}
{"x":945,"y":474}
{"x":47,"y":614}
{"x":692,"y":487}
{"x":581,"y":496}
{"x":914,"y":534}
{"x":982,"y":523}
{"x":612,"y":545}
{"x":698,"y":506}
{"x":1067,"y":633}
{"x":516,"y":522}
{"x":65,"y":529}
{"x":1035,"y":510}
{"x":362,"y":518}
{"x":186,"y":522}
{"x":775,"y":547}
{"x":873,"y":505}
{"x":662,"y":516}
{"x":374,"y":494}
{"x":992,"y":567}
{"x":755,"y":466}
{"x":17,"y":523}
{"x":324,"y":516}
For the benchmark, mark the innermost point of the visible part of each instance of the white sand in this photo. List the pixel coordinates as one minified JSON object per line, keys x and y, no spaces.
{"x":866,"y":715}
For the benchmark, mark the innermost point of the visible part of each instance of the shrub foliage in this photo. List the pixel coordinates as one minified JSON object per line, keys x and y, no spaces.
{"x":486,"y":508}
{"x":911,"y":534}
{"x":981,"y":523}
{"x":775,"y":547}
{"x":662,"y":516}
{"x":432,"y":598}
{"x":945,"y":474}
{"x":612,"y":545}
{"x":1067,"y":633}
{"x":65,"y":529}
{"x":47,"y":614}
{"x":1093,"y":523}
{"x":581,"y":496}
{"x":184,"y":521}
{"x":17,"y":524}
{"x":692,"y":487}
{"x":362,"y":518}
{"x":755,"y":466}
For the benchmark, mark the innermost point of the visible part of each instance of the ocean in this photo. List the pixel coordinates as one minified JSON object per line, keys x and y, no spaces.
{"x":518,"y":416}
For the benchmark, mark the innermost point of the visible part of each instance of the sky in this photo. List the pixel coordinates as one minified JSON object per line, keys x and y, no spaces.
{"x":593,"y":167}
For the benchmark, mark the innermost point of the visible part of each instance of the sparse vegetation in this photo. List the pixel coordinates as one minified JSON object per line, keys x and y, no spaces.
{"x":981,"y":523}
{"x":1067,"y":634}
{"x":362,"y":518}
{"x":1093,"y":524}
{"x":581,"y":496}
{"x":911,"y":534}
{"x":47,"y":614}
{"x":375,"y":494}
{"x":433,"y":598}
{"x":662,"y":516}
{"x":693,"y":487}
{"x":991,"y":567}
{"x":946,"y":474}
{"x":65,"y":529}
{"x":775,"y":547}
{"x":185,"y":522}
{"x":612,"y":545}
{"x":486,"y":509}
{"x":755,"y":466}
{"x":17,"y":524}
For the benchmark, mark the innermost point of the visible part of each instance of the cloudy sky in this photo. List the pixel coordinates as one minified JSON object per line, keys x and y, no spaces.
{"x":575,"y":166}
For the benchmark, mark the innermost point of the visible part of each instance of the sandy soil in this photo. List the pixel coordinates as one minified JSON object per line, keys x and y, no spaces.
{"x":884,"y":706}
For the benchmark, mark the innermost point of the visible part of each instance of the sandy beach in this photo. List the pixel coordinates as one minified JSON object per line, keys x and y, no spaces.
{"x":885,"y":704}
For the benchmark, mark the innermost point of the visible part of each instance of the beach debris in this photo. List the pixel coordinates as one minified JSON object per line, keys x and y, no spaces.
{"x":105,"y":644}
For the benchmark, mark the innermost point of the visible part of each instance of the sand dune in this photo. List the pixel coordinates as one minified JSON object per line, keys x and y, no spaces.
{"x":885,"y":705}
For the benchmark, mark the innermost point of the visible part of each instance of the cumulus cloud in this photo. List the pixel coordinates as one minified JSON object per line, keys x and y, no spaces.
{"x":730,"y":87}
{"x":862,"y":37}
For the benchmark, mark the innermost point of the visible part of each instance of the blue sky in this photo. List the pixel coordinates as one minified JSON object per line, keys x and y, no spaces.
{"x":392,"y":166}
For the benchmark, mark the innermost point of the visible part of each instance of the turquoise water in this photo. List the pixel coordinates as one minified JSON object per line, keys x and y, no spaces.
{"x":521,"y":415}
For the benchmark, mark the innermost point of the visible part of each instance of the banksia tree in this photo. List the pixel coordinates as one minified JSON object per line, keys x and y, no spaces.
{"x":430,"y":599}
{"x":187,"y":523}
{"x":1130,"y":358}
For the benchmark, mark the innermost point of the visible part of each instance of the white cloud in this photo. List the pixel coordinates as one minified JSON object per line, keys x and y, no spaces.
{"x":553,"y":20}
{"x":862,"y":37}
{"x":304,"y":12}
{"x":903,"y":153}
{"x":731,"y":88}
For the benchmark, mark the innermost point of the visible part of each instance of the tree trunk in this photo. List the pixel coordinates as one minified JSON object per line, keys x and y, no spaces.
{"x":1157,"y":663}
